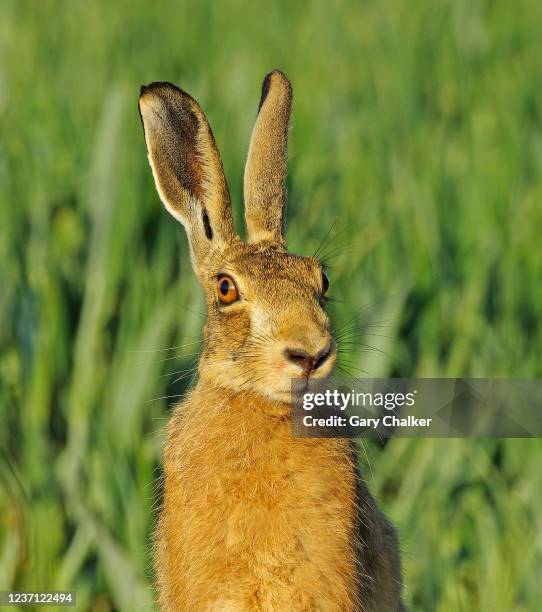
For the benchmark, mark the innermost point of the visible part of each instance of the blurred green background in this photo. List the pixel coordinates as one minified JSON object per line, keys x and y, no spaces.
{"x":417,"y":136}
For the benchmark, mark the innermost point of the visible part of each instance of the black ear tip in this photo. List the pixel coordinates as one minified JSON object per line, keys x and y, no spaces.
{"x":160,"y":86}
{"x":147,"y":89}
{"x":266,"y":85}
{"x":166,"y":91}
{"x":265,"y":89}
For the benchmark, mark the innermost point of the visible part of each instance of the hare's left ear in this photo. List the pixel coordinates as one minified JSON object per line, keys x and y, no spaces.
{"x":266,"y":167}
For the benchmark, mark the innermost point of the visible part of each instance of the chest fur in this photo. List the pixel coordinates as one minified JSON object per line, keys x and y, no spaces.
{"x":255,"y":476}
{"x":243,"y":496}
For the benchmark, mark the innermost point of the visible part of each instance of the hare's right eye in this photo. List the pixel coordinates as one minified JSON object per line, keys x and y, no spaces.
{"x":226,"y":290}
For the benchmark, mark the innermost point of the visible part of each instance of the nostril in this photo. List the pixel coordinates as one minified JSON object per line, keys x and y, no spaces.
{"x":322,"y":356}
{"x":300,"y":358}
{"x":305,"y":360}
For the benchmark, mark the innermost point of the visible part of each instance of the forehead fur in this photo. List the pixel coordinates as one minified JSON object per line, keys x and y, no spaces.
{"x":266,"y":262}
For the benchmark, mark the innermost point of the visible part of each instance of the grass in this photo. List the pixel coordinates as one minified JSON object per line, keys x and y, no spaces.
{"x":417,"y":134}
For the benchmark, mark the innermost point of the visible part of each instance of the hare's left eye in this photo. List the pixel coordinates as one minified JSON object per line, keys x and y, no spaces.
{"x":325,"y":283}
{"x":226,"y":290}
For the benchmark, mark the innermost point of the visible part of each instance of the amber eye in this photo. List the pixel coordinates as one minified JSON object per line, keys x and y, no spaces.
{"x":226,"y":290}
{"x":325,"y":283}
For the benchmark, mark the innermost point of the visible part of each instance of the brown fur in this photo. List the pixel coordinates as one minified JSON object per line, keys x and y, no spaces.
{"x":265,"y":172}
{"x":254,"y":519}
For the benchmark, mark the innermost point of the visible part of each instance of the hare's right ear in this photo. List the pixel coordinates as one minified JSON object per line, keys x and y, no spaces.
{"x":186,"y":167}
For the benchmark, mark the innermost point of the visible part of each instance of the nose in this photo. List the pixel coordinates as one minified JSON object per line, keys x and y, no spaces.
{"x":309,"y":363}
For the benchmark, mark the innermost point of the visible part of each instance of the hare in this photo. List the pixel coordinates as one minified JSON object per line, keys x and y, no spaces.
{"x":253,"y":518}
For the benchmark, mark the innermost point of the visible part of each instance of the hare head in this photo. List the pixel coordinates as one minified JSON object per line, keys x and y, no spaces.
{"x":266,"y":320}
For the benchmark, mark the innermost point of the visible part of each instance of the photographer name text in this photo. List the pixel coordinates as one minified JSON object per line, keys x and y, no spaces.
{"x":337,"y":400}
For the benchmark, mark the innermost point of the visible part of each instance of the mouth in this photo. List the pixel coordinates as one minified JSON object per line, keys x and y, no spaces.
{"x":296,"y":389}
